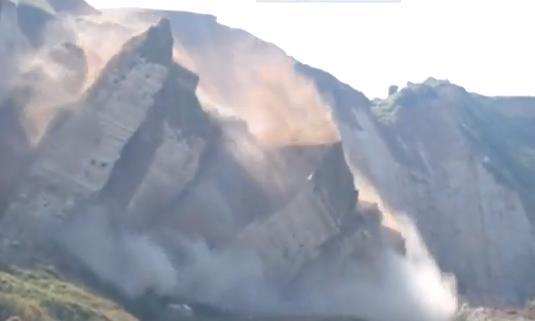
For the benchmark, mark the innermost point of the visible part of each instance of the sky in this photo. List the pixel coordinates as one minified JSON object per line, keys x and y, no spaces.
{"x":486,"y":46}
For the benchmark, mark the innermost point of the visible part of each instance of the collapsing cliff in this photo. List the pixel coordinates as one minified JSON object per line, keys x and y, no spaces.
{"x":153,"y":190}
{"x":247,"y":179}
{"x":431,"y":151}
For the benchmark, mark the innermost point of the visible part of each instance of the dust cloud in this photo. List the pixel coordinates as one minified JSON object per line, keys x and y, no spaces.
{"x":131,"y":262}
{"x":390,"y":286}
{"x":281,"y":108}
{"x":260,"y":85}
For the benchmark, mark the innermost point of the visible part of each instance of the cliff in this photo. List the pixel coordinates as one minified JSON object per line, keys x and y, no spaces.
{"x":199,"y":163}
{"x":136,"y":168}
{"x":445,"y":157}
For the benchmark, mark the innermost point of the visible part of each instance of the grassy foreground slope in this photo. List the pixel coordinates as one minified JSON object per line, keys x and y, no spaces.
{"x":42,"y":296}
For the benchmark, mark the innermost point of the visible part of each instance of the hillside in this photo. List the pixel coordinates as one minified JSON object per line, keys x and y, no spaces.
{"x":185,"y":165}
{"x":42,"y":296}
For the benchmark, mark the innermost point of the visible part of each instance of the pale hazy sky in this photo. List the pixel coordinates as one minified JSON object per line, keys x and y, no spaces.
{"x":487,"y":46}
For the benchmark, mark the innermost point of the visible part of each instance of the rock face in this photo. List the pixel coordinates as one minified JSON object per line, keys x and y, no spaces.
{"x":466,"y":194}
{"x":14,"y":145}
{"x":138,"y":166}
{"x":13,"y":44}
{"x":238,"y":170}
{"x":433,"y":151}
{"x":78,"y":153}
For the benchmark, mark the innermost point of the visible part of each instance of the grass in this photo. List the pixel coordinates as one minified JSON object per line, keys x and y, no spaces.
{"x":386,"y":110}
{"x":42,"y":296}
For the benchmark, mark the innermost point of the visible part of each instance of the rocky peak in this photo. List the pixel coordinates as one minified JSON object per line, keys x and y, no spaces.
{"x":82,"y":148}
{"x":155,"y":45}
{"x":145,"y":58}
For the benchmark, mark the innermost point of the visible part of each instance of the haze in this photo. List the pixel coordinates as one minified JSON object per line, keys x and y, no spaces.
{"x":483,"y":45}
